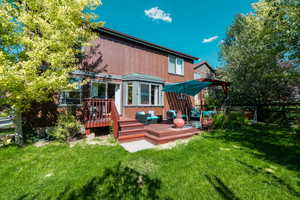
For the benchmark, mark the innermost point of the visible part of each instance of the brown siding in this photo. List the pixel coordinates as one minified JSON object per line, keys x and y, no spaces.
{"x":125,"y":58}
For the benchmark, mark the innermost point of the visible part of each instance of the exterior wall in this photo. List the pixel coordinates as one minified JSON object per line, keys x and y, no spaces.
{"x":124,"y":58}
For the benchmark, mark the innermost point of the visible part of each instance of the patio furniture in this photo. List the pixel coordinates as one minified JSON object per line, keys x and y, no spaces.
{"x":171,"y":115}
{"x":146,"y":118}
{"x":160,"y":118}
{"x":195,"y":113}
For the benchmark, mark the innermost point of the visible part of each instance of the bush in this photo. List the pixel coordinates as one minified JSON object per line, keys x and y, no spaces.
{"x":233,"y":120}
{"x":67,"y":127}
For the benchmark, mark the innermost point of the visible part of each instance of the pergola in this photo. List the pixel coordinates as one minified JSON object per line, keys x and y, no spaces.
{"x":193,"y":87}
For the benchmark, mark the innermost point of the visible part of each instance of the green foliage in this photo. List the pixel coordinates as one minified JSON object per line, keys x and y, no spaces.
{"x":215,"y":98}
{"x":232,"y":120}
{"x":260,"y":53}
{"x":67,"y":127}
{"x":40,"y":41}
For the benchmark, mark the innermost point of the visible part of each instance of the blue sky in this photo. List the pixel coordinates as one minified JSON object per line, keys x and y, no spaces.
{"x":195,"y":27}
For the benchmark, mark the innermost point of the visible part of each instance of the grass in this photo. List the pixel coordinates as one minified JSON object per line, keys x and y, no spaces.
{"x":252,"y":163}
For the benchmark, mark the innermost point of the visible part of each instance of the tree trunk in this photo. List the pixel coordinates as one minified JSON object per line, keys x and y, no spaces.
{"x":19,"y":131}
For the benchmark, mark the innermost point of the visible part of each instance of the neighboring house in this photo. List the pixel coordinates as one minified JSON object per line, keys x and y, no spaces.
{"x":135,"y":74}
{"x":203,"y":70}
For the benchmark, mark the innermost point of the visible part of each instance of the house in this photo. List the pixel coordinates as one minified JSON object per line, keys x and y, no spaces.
{"x":136,"y":73}
{"x":203,"y":70}
{"x":133,"y":75}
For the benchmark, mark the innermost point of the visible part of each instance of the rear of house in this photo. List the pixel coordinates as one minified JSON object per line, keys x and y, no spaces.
{"x":134,"y":76}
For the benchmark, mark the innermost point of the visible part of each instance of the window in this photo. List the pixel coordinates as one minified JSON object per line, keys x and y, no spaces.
{"x":154,"y":94}
{"x":98,"y":90}
{"x":70,"y":97}
{"x":172,"y":64}
{"x":176,"y":65}
{"x":129,"y":93}
{"x":144,"y":94}
{"x":150,"y":94}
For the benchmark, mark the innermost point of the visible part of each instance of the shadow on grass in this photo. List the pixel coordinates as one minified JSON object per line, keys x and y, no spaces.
{"x":276,"y":180}
{"x":276,"y":144}
{"x":116,"y":183}
{"x":221,"y":188}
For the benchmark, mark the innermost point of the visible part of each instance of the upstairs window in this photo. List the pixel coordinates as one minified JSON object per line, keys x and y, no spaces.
{"x":176,"y":65}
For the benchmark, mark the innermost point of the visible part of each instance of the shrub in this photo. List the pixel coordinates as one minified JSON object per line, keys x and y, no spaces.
{"x":67,"y":127}
{"x":233,"y":120}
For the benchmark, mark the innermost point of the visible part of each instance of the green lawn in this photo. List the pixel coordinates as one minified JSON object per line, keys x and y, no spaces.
{"x":252,"y":163}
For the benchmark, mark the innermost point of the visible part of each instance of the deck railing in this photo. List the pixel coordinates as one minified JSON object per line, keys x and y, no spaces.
{"x":99,"y":113}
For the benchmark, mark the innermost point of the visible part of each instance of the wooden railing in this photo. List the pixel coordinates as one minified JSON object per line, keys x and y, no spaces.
{"x":115,"y":118}
{"x":99,"y":113}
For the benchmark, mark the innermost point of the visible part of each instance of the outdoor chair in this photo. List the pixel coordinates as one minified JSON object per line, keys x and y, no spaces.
{"x":146,"y":118}
{"x":195,"y":113}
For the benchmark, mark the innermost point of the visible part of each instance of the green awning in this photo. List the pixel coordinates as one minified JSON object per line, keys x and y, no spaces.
{"x":190,"y":88}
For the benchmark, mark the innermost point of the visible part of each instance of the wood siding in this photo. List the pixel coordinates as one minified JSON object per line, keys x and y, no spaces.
{"x":123,"y":58}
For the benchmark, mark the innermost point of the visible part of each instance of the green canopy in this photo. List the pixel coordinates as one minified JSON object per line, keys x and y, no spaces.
{"x":190,"y":88}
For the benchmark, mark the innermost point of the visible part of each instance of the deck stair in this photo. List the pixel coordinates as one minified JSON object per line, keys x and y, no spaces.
{"x":131,"y":130}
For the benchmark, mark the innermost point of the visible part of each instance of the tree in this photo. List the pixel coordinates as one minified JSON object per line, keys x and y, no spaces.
{"x":260,"y":53}
{"x":41,"y":42}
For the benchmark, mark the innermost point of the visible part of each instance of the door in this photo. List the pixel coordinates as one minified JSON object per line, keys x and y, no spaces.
{"x":114,"y":92}
{"x":108,"y":91}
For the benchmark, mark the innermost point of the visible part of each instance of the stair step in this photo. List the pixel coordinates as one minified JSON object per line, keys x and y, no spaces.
{"x":130,"y":121}
{"x":131,"y":126}
{"x":129,"y":138}
{"x":162,"y":140}
{"x":133,"y":131}
{"x":172,"y":132}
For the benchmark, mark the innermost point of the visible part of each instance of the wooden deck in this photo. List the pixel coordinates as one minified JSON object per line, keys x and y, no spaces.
{"x":132,"y":130}
{"x":103,"y":112}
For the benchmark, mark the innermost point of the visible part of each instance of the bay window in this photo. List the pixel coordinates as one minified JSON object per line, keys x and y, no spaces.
{"x":143,"y":94}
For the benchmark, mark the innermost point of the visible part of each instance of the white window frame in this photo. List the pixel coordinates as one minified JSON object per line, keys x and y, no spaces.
{"x":176,"y":65}
{"x":159,"y":94}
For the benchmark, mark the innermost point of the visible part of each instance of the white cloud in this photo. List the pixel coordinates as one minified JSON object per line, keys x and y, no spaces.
{"x":208,"y":40}
{"x":157,"y":14}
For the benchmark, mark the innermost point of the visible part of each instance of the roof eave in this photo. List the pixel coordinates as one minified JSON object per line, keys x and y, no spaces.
{"x":145,"y":43}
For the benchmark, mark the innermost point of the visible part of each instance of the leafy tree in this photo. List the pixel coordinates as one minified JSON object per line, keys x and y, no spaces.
{"x":260,"y":53}
{"x":40,"y":44}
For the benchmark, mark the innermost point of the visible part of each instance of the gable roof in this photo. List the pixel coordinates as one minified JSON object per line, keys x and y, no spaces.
{"x":196,"y":66}
{"x":144,"y":43}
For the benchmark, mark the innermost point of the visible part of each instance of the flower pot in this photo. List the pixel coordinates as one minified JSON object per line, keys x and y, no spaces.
{"x":178,"y":122}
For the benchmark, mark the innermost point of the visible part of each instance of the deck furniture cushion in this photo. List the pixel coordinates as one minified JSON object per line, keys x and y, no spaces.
{"x":146,"y":118}
{"x":195,"y":113}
